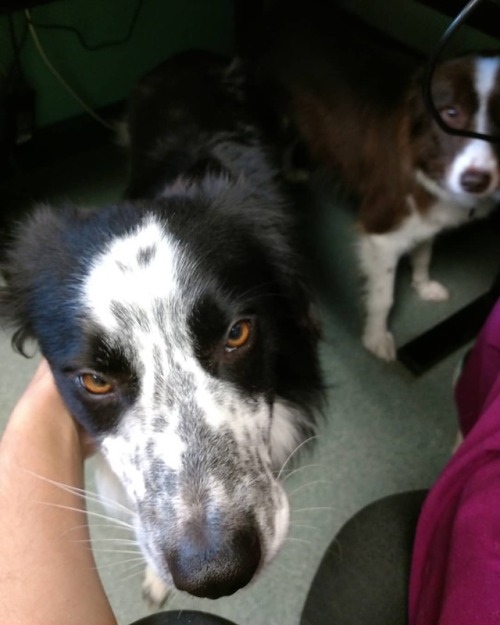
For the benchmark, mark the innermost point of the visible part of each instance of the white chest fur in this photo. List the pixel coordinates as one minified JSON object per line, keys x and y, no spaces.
{"x":379,"y":255}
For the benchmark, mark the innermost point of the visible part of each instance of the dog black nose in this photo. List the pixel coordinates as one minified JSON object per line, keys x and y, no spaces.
{"x":214,"y":563}
{"x":475,"y":180}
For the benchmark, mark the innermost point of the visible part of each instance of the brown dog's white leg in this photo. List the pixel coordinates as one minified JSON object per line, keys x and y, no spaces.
{"x":379,"y":257}
{"x":426,"y":288}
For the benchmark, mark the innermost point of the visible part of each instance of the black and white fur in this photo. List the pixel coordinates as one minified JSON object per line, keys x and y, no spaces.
{"x":146,"y":297}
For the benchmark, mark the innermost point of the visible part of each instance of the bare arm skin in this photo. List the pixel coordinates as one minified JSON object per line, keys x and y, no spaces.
{"x":47,"y":571}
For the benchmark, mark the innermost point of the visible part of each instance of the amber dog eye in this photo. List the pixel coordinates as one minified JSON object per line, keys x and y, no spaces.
{"x":453,"y":116}
{"x":239,"y":334}
{"x":94,"y":384}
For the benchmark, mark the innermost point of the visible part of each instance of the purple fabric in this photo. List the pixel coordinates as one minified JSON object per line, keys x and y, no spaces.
{"x":455,"y":577}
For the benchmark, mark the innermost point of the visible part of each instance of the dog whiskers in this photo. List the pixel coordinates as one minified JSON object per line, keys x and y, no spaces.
{"x":86,"y":494}
{"x":117,"y":541}
{"x":130,"y":562}
{"x":302,"y":468}
{"x":290,"y":456}
{"x":303,"y":526}
{"x":106,"y":501}
{"x":314,"y":509}
{"x":294,"y":539}
{"x":127,"y":551}
{"x":309,"y":484}
{"x":138,"y":571}
{"x":94,"y":525}
{"x":91,"y":513}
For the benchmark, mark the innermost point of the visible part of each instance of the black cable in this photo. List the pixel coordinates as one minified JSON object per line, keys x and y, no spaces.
{"x":98,"y":46}
{"x":429,"y":73}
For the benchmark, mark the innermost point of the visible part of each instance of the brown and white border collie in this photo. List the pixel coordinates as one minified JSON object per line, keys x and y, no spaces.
{"x":359,"y":109}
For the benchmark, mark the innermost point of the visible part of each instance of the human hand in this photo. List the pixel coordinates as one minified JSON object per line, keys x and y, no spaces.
{"x":41,"y":405}
{"x":47,"y":570}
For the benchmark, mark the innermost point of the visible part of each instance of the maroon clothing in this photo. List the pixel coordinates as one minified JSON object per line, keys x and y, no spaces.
{"x":455,"y":577}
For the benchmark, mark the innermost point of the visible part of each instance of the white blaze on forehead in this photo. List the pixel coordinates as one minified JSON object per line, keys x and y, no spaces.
{"x":119,"y":275}
{"x":485,"y":80}
{"x":480,"y":153}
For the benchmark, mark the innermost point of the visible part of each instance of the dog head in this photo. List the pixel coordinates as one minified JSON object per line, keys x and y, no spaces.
{"x":179,"y":336}
{"x":466,"y":94}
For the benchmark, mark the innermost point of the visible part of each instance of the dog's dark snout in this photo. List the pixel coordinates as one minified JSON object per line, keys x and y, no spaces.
{"x":215,"y":562}
{"x":475,"y":180}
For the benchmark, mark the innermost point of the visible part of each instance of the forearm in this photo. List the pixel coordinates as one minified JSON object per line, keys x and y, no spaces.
{"x":47,"y":570}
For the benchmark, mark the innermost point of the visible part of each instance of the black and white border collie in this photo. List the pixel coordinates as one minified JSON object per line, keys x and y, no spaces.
{"x":179,"y":329}
{"x":358,"y":107}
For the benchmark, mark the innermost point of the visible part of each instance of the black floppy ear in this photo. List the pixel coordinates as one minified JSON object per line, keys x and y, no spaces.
{"x":32,"y":253}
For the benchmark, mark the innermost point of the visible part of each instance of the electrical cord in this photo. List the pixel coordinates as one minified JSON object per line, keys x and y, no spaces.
{"x":54,"y":71}
{"x":429,"y":73}
{"x":97,"y":46}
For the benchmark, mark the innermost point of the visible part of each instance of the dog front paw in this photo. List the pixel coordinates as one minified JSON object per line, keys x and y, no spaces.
{"x":431,"y":291}
{"x":381,"y":345}
{"x":154,"y":590}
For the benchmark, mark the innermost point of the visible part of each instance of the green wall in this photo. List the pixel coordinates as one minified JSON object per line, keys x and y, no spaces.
{"x":106,"y":76}
{"x":165,"y":26}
